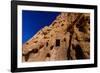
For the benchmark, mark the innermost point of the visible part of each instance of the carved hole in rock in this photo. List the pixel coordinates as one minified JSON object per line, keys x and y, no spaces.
{"x":48,"y":29}
{"x":79,"y":52}
{"x":35,"y":41}
{"x":26,"y":56}
{"x":54,"y":23}
{"x":57,"y":42}
{"x":64,"y":39}
{"x":47,"y":44}
{"x":27,"y":43}
{"x":44,"y":33}
{"x":89,"y":21}
{"x":35,"y":51}
{"x":59,"y":22}
{"x":62,"y":25}
{"x":51,"y":35}
{"x":48,"y":55}
{"x":45,"y":37}
{"x":41,"y":46}
{"x":51,"y":47}
{"x":89,"y":28}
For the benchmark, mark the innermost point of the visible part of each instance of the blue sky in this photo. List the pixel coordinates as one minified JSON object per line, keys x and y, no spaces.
{"x":33,"y":21}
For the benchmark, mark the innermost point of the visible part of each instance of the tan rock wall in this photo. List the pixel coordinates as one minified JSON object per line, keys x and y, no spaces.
{"x":67,"y":38}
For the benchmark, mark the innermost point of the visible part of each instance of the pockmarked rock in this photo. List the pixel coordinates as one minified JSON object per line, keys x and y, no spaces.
{"x":66,"y":38}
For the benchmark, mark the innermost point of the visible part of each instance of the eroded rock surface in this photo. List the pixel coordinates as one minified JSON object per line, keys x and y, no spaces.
{"x":67,"y":38}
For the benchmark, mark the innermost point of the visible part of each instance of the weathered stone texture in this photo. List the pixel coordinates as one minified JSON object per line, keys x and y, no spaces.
{"x":67,"y":38}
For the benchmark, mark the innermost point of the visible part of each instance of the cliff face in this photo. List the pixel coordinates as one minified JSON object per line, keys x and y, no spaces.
{"x":67,"y":38}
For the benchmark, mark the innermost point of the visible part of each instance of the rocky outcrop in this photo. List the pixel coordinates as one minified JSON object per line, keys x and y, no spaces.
{"x":67,"y":38}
